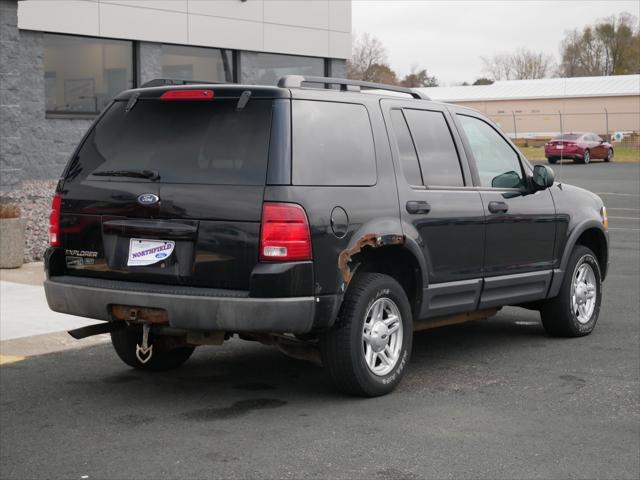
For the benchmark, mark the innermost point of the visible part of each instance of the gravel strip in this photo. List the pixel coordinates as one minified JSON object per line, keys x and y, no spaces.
{"x":34,"y":200}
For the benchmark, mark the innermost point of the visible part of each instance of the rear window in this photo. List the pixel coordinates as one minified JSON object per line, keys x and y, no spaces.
{"x":332,"y":144}
{"x":185,"y":142}
{"x":568,"y":136}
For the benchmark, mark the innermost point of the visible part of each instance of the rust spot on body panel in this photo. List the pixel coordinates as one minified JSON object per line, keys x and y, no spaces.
{"x":372,"y":240}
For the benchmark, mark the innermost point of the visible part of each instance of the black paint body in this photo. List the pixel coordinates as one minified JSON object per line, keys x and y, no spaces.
{"x":466,"y":257}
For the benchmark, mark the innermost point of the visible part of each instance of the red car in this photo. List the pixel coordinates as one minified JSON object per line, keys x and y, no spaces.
{"x":579,"y":147}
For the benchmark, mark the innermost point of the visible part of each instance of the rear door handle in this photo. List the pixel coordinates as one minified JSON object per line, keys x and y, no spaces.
{"x":498,"y":207}
{"x":415,"y":207}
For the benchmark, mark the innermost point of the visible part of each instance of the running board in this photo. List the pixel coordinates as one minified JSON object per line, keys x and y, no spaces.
{"x":97,"y":329}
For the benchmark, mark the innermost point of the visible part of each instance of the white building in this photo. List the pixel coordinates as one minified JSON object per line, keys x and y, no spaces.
{"x":67,"y":58}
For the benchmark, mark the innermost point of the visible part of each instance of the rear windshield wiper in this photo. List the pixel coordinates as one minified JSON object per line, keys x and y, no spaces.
{"x":150,"y":174}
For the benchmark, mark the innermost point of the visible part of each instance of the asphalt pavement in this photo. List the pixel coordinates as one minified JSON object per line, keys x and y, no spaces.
{"x":491,"y":399}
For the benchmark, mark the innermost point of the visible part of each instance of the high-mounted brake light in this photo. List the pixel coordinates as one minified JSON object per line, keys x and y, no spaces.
{"x":284,"y":235}
{"x":54,"y":221}
{"x":187,"y":95}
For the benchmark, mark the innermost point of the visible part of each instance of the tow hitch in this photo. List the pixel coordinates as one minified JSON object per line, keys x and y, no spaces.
{"x":144,"y":352}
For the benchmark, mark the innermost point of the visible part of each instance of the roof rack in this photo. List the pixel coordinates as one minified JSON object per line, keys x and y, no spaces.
{"x":296,"y":81}
{"x":161,"y":82}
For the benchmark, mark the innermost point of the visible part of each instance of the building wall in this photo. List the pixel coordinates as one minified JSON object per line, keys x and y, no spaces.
{"x":319,"y":28}
{"x":602,"y":115}
{"x":35,"y":145}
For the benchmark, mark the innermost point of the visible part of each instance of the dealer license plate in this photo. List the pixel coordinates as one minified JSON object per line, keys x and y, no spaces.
{"x":147,"y":252}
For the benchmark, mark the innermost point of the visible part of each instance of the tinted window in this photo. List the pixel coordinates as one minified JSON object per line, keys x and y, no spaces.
{"x":185,"y":142}
{"x":498,"y":164}
{"x":82,"y":75}
{"x":437,"y":153}
{"x":332,"y":144}
{"x":568,"y":136}
{"x":193,"y":63}
{"x":406,"y":150}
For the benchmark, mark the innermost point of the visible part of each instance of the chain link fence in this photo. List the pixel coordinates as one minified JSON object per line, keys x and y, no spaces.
{"x":537,"y":127}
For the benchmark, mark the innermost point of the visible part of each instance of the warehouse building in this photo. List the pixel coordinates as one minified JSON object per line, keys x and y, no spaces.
{"x":63,"y":60}
{"x":542,"y":108}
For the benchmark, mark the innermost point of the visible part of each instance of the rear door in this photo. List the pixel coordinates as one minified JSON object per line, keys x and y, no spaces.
{"x":520,"y":231}
{"x":196,"y":219}
{"x":438,"y":206}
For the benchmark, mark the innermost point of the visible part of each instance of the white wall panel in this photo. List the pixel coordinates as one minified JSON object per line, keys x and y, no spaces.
{"x":249,"y":10}
{"x":340,"y":15}
{"x":64,"y":16}
{"x":143,"y":24}
{"x":300,"y":27}
{"x":305,"y":13}
{"x":339,"y":45}
{"x":296,"y":40}
{"x":172,"y":5}
{"x":225,"y":33}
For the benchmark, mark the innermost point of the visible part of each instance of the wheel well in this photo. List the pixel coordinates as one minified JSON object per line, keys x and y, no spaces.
{"x":397,"y":262}
{"x":594,"y":239}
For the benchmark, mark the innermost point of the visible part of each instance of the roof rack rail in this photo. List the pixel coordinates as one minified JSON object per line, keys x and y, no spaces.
{"x":161,"y":82}
{"x":296,"y":81}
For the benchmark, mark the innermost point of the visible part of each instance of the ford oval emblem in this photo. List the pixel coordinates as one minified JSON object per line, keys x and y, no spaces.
{"x":148,"y":199}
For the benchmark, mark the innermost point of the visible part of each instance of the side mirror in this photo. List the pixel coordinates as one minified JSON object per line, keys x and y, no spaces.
{"x":601,"y":142}
{"x":543,"y":177}
{"x":506,"y":180}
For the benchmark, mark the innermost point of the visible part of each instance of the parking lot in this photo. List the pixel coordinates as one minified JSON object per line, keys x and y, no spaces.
{"x":492,"y":399}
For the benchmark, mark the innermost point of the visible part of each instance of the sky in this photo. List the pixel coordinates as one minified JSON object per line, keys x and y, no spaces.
{"x":448,"y":38}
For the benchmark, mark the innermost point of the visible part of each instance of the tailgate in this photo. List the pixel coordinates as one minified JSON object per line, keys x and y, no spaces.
{"x":196,"y":220}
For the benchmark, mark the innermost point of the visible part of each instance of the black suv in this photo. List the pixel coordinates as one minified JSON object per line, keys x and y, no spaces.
{"x":332,"y":220}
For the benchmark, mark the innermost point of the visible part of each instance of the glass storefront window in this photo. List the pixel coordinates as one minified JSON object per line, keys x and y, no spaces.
{"x":194,"y":63}
{"x":83,"y":74}
{"x":271,"y":67}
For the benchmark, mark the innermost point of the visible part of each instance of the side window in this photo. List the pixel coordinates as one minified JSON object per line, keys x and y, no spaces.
{"x":406,"y":149}
{"x":332,"y":144}
{"x":437,"y":153}
{"x":498,"y":164}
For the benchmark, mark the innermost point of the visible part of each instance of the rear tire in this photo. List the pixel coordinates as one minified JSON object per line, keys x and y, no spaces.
{"x":574,"y":312}
{"x":366,"y":352}
{"x":552,"y":160}
{"x":124,"y":342}
{"x":586,"y":157}
{"x":609,"y":157}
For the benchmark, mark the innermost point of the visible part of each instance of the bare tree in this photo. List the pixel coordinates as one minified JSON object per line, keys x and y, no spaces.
{"x":519,"y":65}
{"x":498,"y":67}
{"x":367,"y":51}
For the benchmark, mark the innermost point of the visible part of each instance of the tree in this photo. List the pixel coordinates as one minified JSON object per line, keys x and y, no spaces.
{"x":609,"y":47}
{"x":483,"y":81}
{"x":418,"y":79}
{"x":368,"y":60}
{"x":519,"y":65}
{"x":381,"y":73}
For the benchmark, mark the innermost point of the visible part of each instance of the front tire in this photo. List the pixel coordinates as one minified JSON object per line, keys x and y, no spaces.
{"x":164,"y":357}
{"x":366,"y":352}
{"x":574,"y":312}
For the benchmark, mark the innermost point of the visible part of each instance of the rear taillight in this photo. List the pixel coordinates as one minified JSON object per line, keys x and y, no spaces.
{"x":54,"y":221}
{"x":187,"y":95}
{"x":284,"y":234}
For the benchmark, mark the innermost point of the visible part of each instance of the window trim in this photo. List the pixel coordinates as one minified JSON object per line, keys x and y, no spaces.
{"x":472,"y":159}
{"x":421,"y":186}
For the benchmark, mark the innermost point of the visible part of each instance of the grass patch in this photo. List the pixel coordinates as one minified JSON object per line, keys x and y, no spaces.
{"x":621,"y":154}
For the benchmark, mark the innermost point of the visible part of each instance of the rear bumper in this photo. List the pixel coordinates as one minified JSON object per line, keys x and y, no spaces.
{"x":188,"y":308}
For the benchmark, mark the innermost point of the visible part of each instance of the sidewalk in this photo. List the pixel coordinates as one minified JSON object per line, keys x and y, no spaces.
{"x":27,"y":326}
